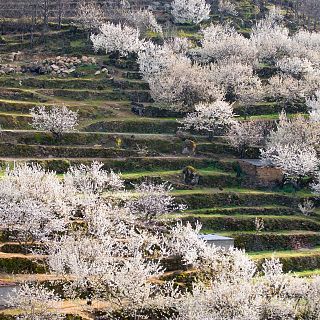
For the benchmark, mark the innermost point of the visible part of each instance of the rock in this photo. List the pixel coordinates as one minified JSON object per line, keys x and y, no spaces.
{"x":189,"y":147}
{"x":104,"y":70}
{"x":138,"y":108}
{"x":71,"y":70}
{"x":190,"y":176}
{"x":8,"y":70}
{"x":54,"y":67}
{"x":182,"y":134}
{"x":97,"y":73}
{"x":18,"y":56}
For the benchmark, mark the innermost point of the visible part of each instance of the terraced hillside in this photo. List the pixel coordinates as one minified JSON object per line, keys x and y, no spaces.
{"x":149,"y":147}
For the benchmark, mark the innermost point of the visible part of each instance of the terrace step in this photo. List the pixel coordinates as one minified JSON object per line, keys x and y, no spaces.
{"x":109,"y":95}
{"x":27,"y":150}
{"x":240,"y":210}
{"x":265,"y":108}
{"x":293,"y":260}
{"x":99,"y":137}
{"x":134,"y":125}
{"x":20,"y":263}
{"x":128,"y":164}
{"x":162,"y":143}
{"x":85,"y":111}
{"x":208,"y":198}
{"x":18,"y":150}
{"x":272,"y":241}
{"x":208,"y":178}
{"x":247,"y":223}
{"x":22,"y":95}
{"x":98,"y":83}
{"x":15,"y":121}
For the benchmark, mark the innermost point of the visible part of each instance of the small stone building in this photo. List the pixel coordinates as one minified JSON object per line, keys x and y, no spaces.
{"x":260,"y":173}
{"x":218,"y":241}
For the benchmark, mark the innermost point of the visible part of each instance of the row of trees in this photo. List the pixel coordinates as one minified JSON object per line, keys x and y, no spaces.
{"x":107,"y":242}
{"x":224,"y":66}
{"x":206,"y":81}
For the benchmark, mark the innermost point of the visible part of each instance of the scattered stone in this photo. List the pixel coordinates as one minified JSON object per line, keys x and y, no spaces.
{"x":9,"y":69}
{"x":97,"y":73}
{"x":61,"y":66}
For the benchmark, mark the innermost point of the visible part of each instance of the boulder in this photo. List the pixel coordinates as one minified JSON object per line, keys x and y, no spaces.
{"x":189,"y":147}
{"x":54,"y":67}
{"x":190,"y":176}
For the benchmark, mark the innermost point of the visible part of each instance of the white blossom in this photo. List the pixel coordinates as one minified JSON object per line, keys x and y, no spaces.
{"x":238,"y":80}
{"x":223,"y":42}
{"x":220,"y":301}
{"x":90,"y":15}
{"x":271,"y":39}
{"x":143,"y":20}
{"x":292,"y":147}
{"x":117,"y":38}
{"x":287,"y":87}
{"x":56,"y":119}
{"x":297,"y":130}
{"x":108,"y":267}
{"x":225,"y":6}
{"x":93,"y":179}
{"x":154,"y":59}
{"x":152,"y":200}
{"x":313,"y":105}
{"x":295,"y":160}
{"x":36,"y":302}
{"x":209,"y":117}
{"x":294,"y":66}
{"x":245,"y":134}
{"x":186,"y":11}
{"x":33,"y":202}
{"x":306,"y":207}
{"x":174,"y":80}
{"x":306,"y":44}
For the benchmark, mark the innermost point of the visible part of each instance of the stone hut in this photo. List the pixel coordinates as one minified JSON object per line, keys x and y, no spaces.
{"x":260,"y":173}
